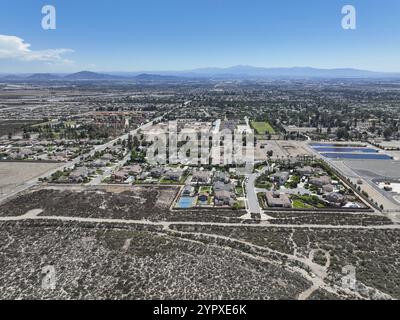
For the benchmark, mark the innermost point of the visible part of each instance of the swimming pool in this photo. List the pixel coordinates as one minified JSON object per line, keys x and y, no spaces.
{"x":341,"y":149}
{"x":185,"y":202}
{"x":357,"y":156}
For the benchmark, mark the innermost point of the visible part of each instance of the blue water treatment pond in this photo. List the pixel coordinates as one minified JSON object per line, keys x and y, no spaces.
{"x":357,"y":156}
{"x":340,"y":149}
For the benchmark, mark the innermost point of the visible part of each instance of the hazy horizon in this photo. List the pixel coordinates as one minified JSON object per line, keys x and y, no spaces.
{"x":202,"y":70}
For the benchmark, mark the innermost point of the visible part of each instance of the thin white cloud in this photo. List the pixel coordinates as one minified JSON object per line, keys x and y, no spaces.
{"x":12,"y":47}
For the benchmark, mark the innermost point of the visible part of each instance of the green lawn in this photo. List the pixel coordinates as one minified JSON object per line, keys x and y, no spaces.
{"x":239,"y":191}
{"x":239,"y":205}
{"x":205,"y":189}
{"x":262,"y":127}
{"x":167,"y":181}
{"x":181,"y":181}
{"x":298,"y":204}
{"x":307,"y":202}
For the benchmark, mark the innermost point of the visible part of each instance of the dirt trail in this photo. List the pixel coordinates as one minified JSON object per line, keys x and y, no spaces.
{"x":323,"y":272}
{"x":166,"y":224}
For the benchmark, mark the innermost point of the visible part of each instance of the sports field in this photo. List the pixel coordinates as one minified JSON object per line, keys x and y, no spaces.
{"x":263,"y":127}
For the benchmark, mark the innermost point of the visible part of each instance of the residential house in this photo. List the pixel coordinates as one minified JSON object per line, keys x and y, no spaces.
{"x":224,"y":197}
{"x":328,"y":188}
{"x":120,"y":176}
{"x":157,"y":172}
{"x":221,"y":176}
{"x":278,"y":200}
{"x":98,"y":163}
{"x":305,"y":171}
{"x":108,"y":157}
{"x":201,"y":177}
{"x":134,"y":170}
{"x":281,"y":177}
{"x":320,"y":181}
{"x":174,"y":175}
{"x":26,"y":153}
{"x":79,"y":175}
{"x":14,"y":156}
{"x":220,"y":186}
{"x":335,"y":198}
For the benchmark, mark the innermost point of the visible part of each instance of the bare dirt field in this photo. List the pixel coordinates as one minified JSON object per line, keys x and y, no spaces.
{"x":282,"y":148}
{"x":13,"y":174}
{"x":293,"y":148}
{"x":14,"y":126}
{"x":272,"y":145}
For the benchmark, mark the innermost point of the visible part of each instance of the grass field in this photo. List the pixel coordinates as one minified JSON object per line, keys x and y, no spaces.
{"x":263,"y":127}
{"x":298,"y":204}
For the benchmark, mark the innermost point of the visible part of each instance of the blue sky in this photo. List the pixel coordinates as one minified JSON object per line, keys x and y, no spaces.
{"x":133,"y":35}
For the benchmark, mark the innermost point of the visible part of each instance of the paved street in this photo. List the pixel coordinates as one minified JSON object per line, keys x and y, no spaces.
{"x":108,"y":171}
{"x":252,"y":201}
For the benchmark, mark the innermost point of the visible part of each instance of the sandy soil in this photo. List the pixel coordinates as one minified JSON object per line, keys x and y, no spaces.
{"x":13,"y":174}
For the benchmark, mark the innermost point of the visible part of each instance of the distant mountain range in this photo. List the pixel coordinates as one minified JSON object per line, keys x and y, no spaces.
{"x":86,"y":76}
{"x":293,"y":72}
{"x":241,"y":72}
